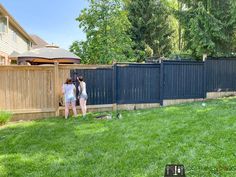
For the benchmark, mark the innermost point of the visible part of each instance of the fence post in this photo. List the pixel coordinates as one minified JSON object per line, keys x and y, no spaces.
{"x":56,"y":88}
{"x":161,"y":82}
{"x":114,"y":87}
{"x":204,"y":78}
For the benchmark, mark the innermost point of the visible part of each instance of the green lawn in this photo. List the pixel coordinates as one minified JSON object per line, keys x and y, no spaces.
{"x":203,"y":138}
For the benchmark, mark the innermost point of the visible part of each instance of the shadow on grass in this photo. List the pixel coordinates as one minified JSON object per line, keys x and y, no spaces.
{"x":44,"y":146}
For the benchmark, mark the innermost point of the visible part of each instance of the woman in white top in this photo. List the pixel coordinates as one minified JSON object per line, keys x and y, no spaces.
{"x":82,"y":95}
{"x":69,"y":90}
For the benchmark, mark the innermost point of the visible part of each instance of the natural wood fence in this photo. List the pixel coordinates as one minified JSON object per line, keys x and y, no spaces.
{"x":25,"y":89}
{"x":32,"y":92}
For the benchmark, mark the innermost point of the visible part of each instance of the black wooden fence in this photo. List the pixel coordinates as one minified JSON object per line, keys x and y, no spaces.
{"x":183,"y":79}
{"x":137,"y":83}
{"x":153,"y":83}
{"x":99,"y":84}
{"x":221,"y":74}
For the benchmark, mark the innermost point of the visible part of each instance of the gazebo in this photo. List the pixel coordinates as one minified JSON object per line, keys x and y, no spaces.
{"x":47,"y":55}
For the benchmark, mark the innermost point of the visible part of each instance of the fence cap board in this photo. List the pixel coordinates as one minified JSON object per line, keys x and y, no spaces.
{"x":182,"y":62}
{"x":153,"y":65}
{"x":81,"y":66}
{"x":221,"y":58}
{"x":135,"y":63}
{"x":23,"y":67}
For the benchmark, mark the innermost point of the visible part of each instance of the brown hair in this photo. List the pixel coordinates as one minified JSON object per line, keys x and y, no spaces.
{"x":68,"y":81}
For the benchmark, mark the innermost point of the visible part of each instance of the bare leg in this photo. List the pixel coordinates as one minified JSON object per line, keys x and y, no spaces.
{"x":85,"y":107}
{"x":81,"y":102}
{"x":66,"y":110}
{"x":74,"y":108}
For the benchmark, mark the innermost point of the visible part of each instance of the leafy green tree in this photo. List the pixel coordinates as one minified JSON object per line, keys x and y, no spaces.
{"x":208,"y":25}
{"x":106,"y":24}
{"x":79,"y":48}
{"x":231,"y":26}
{"x":150,"y":27}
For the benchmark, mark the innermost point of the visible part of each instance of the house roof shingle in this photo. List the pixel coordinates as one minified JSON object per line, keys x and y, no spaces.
{"x":40,"y":43}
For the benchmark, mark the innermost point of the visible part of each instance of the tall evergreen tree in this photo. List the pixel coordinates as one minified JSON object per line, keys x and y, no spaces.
{"x":150,"y":27}
{"x":209,"y":26}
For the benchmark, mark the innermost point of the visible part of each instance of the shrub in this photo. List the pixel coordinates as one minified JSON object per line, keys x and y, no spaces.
{"x":5,"y":116}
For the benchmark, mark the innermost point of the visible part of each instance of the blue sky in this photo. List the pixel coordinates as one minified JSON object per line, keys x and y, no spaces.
{"x":52,"y":20}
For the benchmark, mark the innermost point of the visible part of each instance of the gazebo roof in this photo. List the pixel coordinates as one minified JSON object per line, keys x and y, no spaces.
{"x":49,"y":53}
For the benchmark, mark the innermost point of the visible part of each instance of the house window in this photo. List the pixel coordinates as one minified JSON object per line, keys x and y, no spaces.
{"x":29,"y":45}
{"x":14,"y":36}
{"x":3,"y":24}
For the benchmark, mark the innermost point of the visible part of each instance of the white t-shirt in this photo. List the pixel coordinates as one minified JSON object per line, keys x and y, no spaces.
{"x":83,"y":86}
{"x":69,"y":90}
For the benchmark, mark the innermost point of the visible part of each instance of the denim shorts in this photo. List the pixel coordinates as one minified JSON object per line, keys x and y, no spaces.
{"x":70,"y":99}
{"x":84,"y":96}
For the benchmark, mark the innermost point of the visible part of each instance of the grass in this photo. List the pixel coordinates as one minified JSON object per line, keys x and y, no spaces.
{"x":5,"y":117}
{"x":203,"y":138}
